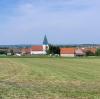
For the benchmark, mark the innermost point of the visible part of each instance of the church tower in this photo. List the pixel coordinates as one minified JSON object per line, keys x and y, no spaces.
{"x":45,"y":44}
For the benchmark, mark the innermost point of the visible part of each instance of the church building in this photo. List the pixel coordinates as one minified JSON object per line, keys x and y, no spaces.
{"x":40,"y":49}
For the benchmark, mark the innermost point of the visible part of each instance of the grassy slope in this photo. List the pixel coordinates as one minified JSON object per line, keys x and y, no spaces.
{"x":54,"y":78}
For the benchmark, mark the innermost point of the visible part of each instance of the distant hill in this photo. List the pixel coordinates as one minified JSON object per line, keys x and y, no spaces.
{"x":15,"y":46}
{"x":70,"y":45}
{"x":81,"y":45}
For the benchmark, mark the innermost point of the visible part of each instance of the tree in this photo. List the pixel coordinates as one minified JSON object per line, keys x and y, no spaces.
{"x":53,"y":49}
{"x":98,"y":52}
{"x":3,"y":52}
{"x":12,"y":52}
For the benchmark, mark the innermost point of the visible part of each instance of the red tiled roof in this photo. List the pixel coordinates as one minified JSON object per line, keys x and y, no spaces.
{"x":25,"y":50}
{"x":37,"y":48}
{"x":93,"y":50}
{"x":67,"y":50}
{"x":79,"y":51}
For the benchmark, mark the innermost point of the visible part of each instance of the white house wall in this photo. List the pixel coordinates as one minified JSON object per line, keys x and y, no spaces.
{"x":67,"y":55}
{"x":38,"y":52}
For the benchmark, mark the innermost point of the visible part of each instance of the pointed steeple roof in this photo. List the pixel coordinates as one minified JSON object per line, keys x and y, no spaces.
{"x":45,"y":41}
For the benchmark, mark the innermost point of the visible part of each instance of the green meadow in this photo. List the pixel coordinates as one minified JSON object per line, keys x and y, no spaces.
{"x":49,"y":78}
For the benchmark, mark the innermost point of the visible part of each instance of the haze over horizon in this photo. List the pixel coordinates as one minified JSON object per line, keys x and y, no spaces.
{"x":63,"y":21}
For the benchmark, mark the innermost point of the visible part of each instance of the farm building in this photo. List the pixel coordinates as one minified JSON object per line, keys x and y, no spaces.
{"x":71,"y":52}
{"x":67,"y":52}
{"x":79,"y":52}
{"x":93,"y":50}
{"x":37,"y":50}
{"x":25,"y":51}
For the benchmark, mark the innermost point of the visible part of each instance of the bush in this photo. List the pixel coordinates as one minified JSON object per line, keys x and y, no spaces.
{"x":3,"y":52}
{"x":53,"y":50}
{"x":98,"y":52}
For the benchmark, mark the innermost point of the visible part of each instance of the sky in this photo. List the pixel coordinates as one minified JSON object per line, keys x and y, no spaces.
{"x":63,"y":21}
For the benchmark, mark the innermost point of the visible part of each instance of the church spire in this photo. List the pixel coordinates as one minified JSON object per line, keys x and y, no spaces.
{"x":45,"y":41}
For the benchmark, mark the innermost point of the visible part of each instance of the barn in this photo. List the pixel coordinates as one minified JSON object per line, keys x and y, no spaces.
{"x":67,"y":52}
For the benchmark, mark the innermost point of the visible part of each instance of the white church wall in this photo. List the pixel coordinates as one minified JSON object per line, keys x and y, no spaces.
{"x":45,"y":47}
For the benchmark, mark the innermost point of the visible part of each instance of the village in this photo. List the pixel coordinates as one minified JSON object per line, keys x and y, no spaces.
{"x":50,"y":50}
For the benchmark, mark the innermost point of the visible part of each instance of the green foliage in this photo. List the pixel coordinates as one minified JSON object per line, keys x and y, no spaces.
{"x":12,"y":52}
{"x":53,"y":49}
{"x":3,"y":52}
{"x":98,"y":52}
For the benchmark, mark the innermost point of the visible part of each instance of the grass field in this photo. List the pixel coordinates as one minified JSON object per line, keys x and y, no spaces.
{"x":49,"y":78}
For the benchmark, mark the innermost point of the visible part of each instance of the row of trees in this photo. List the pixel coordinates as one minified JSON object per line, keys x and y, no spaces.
{"x":5,"y":52}
{"x":53,"y":49}
{"x":97,"y":52}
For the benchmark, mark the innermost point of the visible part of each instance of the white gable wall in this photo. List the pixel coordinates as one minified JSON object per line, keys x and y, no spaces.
{"x":38,"y":52}
{"x":67,"y":55}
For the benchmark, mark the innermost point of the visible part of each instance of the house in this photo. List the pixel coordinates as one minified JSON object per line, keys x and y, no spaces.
{"x":67,"y":52}
{"x":10,"y":52}
{"x":37,"y":50}
{"x":71,"y":52}
{"x":79,"y":52}
{"x":40,"y":49}
{"x":93,"y":50}
{"x":16,"y":51}
{"x":25,"y":51}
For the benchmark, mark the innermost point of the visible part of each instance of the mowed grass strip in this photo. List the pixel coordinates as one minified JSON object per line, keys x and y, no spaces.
{"x":49,"y":78}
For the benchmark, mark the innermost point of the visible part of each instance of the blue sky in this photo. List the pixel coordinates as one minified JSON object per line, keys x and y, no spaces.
{"x":63,"y":21}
